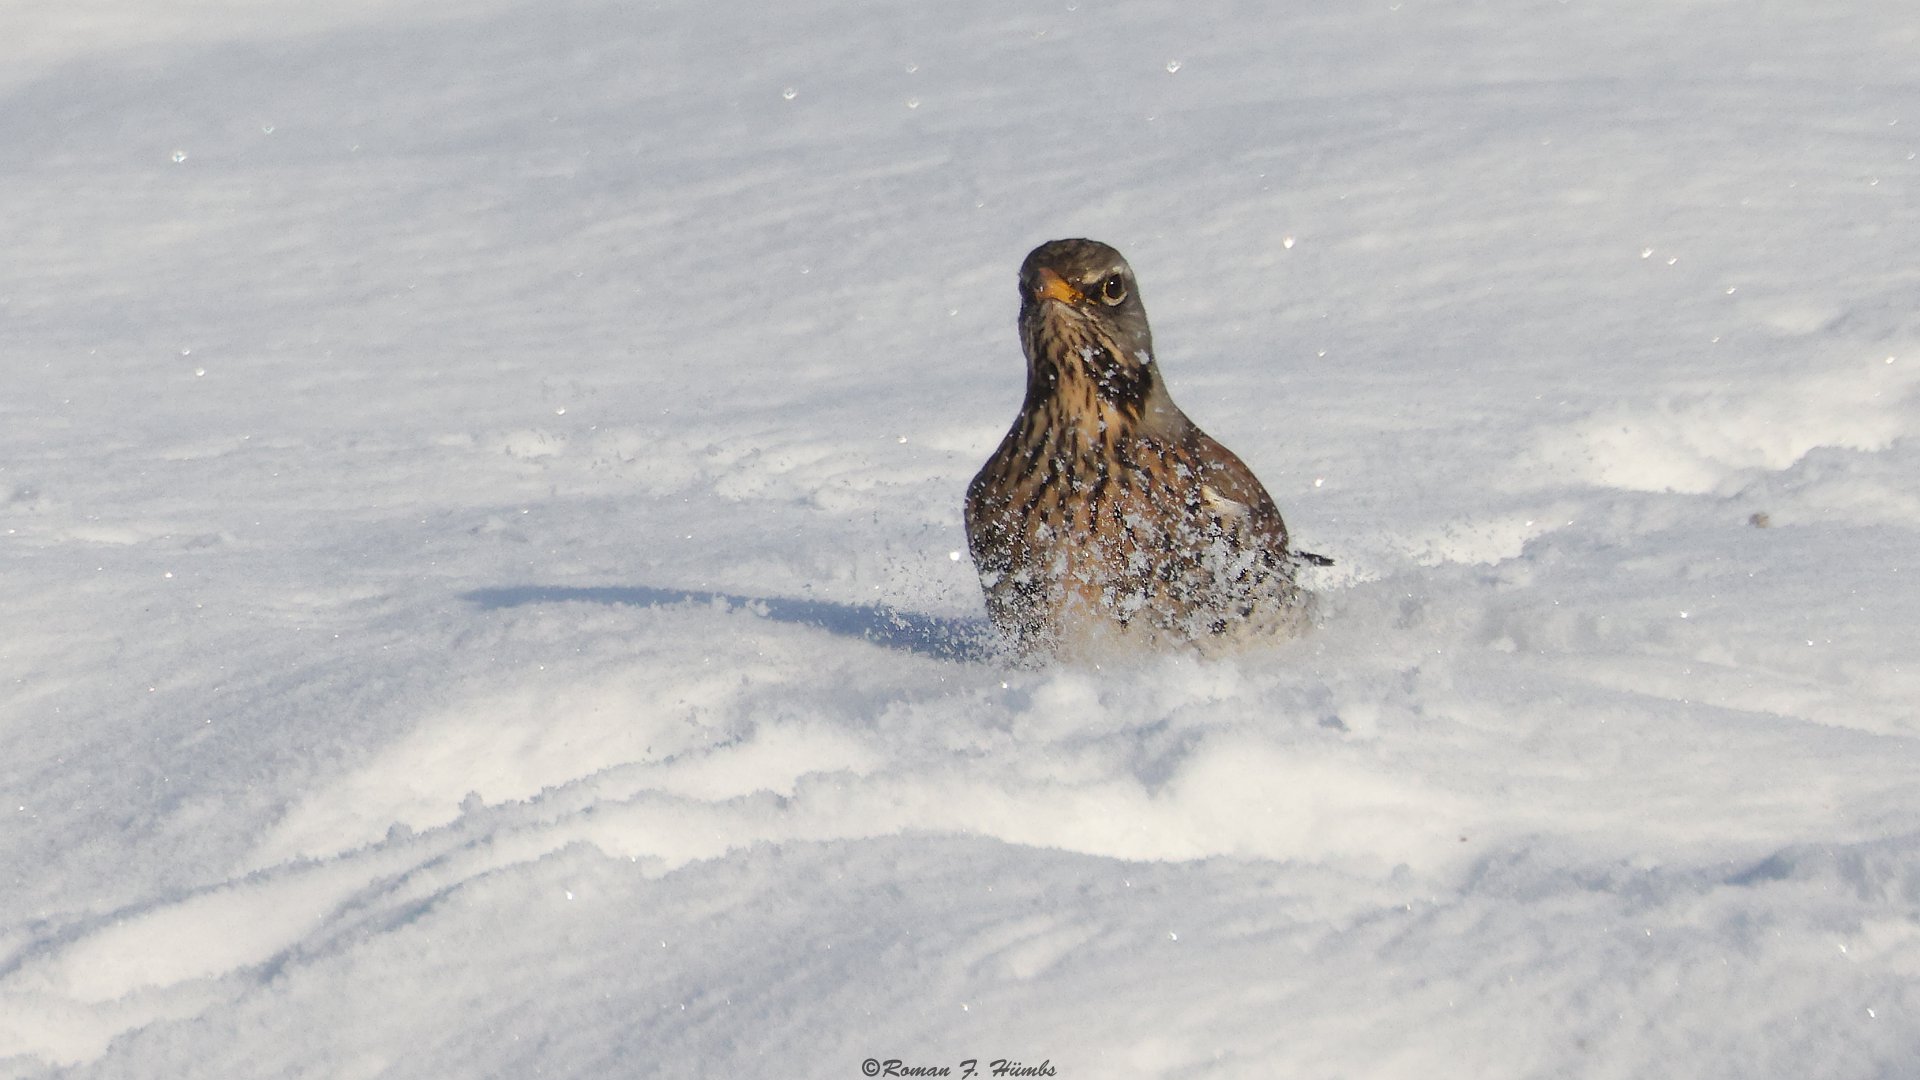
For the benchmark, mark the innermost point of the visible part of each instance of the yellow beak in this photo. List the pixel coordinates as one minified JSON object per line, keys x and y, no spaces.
{"x":1052,"y":286}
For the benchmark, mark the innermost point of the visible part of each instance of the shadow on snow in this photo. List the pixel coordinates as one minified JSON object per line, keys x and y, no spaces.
{"x":963,"y":640}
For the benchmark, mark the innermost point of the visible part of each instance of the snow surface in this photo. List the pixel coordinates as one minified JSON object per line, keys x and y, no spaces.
{"x":479,"y":487}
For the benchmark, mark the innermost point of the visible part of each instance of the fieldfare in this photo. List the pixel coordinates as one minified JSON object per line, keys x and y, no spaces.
{"x":1106,"y":518}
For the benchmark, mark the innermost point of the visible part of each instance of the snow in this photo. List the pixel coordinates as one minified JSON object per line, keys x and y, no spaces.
{"x":478,"y":489}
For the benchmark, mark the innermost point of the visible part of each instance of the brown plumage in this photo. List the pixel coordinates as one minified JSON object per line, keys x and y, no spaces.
{"x":1106,"y":517}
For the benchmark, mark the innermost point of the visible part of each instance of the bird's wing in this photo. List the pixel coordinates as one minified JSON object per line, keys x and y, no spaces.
{"x":1228,"y":484}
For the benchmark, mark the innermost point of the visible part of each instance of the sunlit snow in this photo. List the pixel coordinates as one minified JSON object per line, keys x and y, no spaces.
{"x":482,"y":589}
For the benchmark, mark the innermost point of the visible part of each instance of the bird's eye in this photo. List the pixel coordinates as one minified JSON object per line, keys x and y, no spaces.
{"x":1113,"y":290}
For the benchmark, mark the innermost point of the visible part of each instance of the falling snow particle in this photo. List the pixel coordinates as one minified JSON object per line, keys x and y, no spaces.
{"x":1173,"y":66}
{"x":913,"y":103}
{"x":789,"y":93}
{"x":1286,"y":242}
{"x":179,"y":156}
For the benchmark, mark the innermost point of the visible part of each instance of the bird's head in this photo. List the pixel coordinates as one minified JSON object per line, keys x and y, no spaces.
{"x":1081,"y":318}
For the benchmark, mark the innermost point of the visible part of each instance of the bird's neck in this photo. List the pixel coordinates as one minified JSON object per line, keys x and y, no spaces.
{"x":1086,"y":410}
{"x":1069,"y":362}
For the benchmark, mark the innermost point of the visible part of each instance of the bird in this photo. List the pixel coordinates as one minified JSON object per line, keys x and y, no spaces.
{"x":1106,"y":521}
